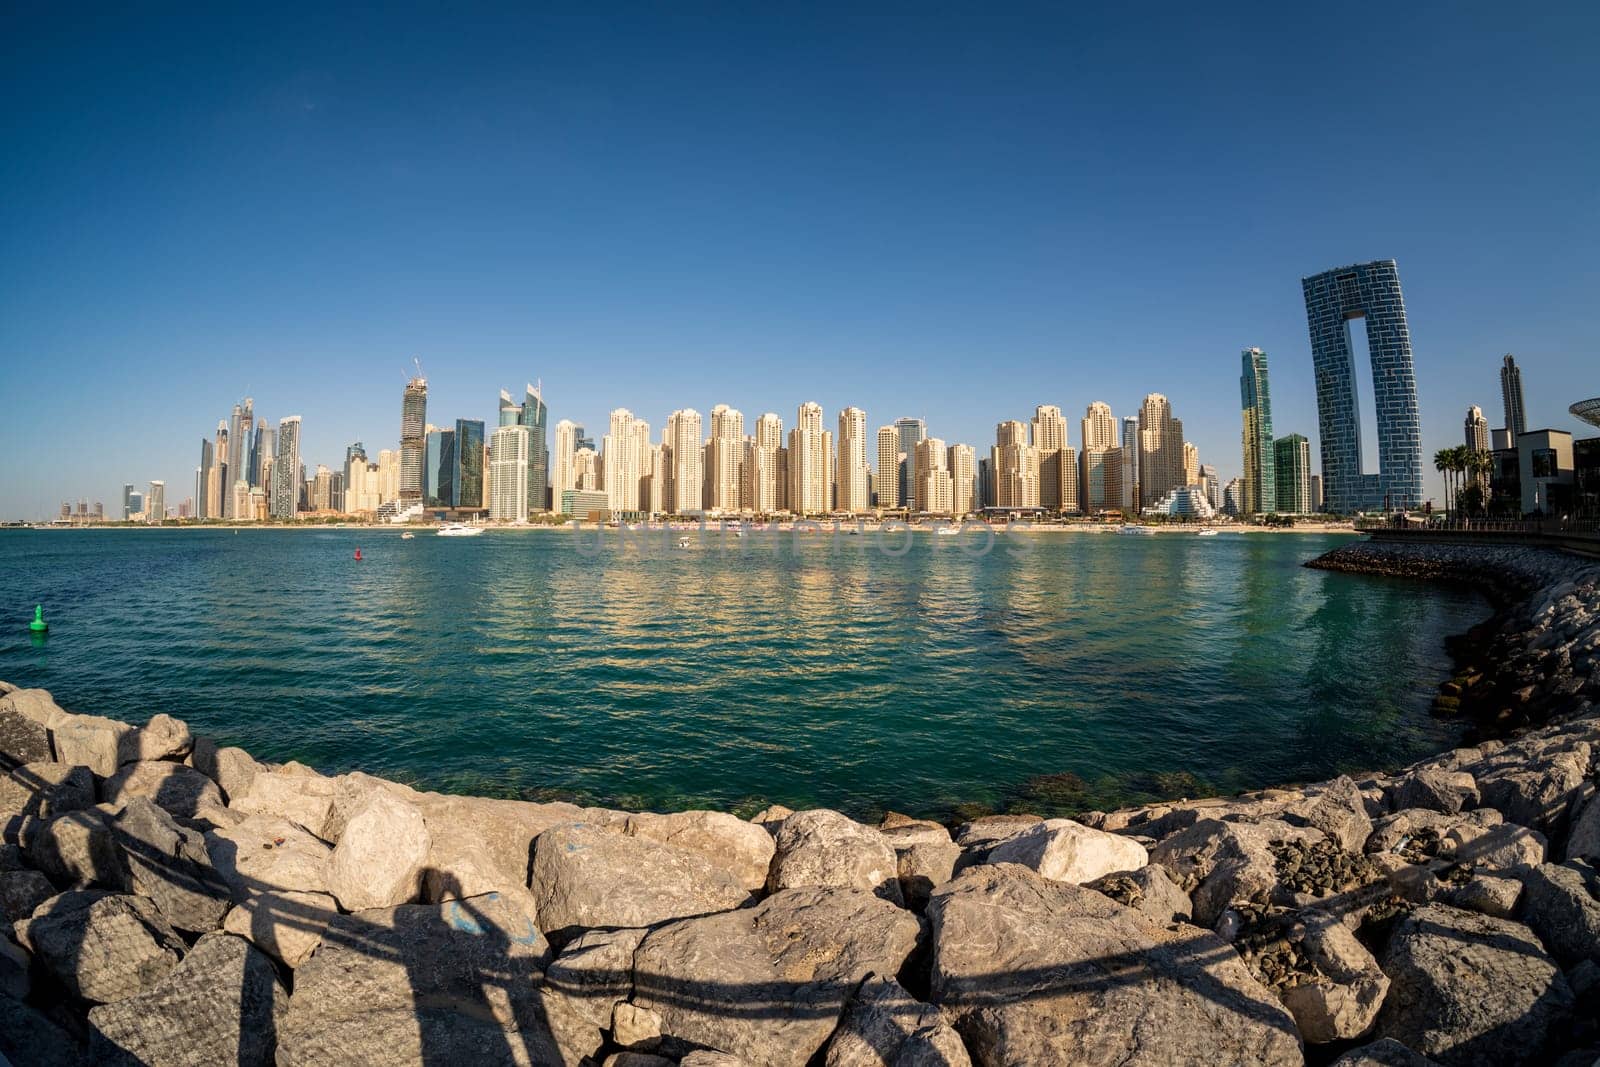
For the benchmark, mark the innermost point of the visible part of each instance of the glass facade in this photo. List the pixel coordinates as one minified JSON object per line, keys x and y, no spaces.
{"x":1369,"y":291}
{"x":1255,"y":398}
{"x":466,"y":490}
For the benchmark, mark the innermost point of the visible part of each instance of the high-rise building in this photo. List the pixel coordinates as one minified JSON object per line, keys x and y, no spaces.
{"x":763,"y":473}
{"x":623,"y":470}
{"x":889,"y":459}
{"x":1212,"y":485}
{"x":413,"y":440}
{"x":563,"y":472}
{"x":262,"y":451}
{"x":852,"y":465}
{"x":1049,"y":438}
{"x":931,"y":473}
{"x":1477,"y":439}
{"x":724,"y":461}
{"x":202,"y":478}
{"x":508,"y":472}
{"x":1370,"y":291}
{"x":1099,"y":441}
{"x":284,"y":499}
{"x":1016,"y":466}
{"x":688,"y":475}
{"x":466,"y":492}
{"x":155,"y":508}
{"x":963,"y":480}
{"x":586,"y":470}
{"x":128,"y":509}
{"x":1292,"y":475}
{"x":536,"y":417}
{"x":1160,"y":450}
{"x":1511,"y":396}
{"x":809,"y":463}
{"x":1191,"y":464}
{"x":1232,"y":497}
{"x":1255,"y":398}
{"x":1130,"y":463}
{"x":321,"y":491}
{"x":911,"y":431}
{"x":241,"y":433}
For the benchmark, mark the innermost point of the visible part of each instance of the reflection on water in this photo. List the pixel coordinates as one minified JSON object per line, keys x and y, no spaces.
{"x":1053,"y":672}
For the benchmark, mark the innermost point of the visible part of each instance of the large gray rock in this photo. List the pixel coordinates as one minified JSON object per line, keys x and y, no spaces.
{"x":1538,"y":793}
{"x":1221,"y":864}
{"x":1337,"y":809}
{"x":1150,"y":891}
{"x":169,"y":864}
{"x":1468,"y":988}
{"x":984,"y":832}
{"x":925,"y":857}
{"x":1437,"y":790}
{"x":886,"y":1027}
{"x":1066,"y":851}
{"x":790,"y":964}
{"x":219,"y":1006}
{"x":1036,"y":971}
{"x":80,"y":848}
{"x":41,"y":791}
{"x":379,"y":859}
{"x":233,"y":769}
{"x":583,"y":988}
{"x":823,"y":848}
{"x":450,"y":983}
{"x":1386,"y":1052}
{"x":35,"y":705}
{"x":303,"y":799}
{"x":587,"y":877}
{"x":92,"y":741}
{"x":103,"y":947}
{"x":263,"y":854}
{"x":726,"y":840}
{"x":479,"y":845}
{"x":21,"y":892}
{"x":1344,"y":998}
{"x":1559,"y":907}
{"x":162,"y":738}
{"x":22,"y":740}
{"x":1505,"y":845}
{"x":181,"y":790}
{"x":286,"y":925}
{"x":1491,"y":894}
{"x":1583,"y":840}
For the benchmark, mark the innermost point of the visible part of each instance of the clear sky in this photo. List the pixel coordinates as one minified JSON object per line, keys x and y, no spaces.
{"x":924,"y":211}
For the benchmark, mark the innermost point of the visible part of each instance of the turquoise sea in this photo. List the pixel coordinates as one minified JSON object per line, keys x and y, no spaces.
{"x":1053,"y":673}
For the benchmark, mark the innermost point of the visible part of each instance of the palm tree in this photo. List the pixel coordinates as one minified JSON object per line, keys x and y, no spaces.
{"x":1443,"y":462}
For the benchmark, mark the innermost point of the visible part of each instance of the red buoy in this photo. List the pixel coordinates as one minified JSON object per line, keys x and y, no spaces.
{"x":358,"y":554}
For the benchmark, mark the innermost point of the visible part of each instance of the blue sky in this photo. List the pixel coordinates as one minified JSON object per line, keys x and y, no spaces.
{"x":920,"y":211}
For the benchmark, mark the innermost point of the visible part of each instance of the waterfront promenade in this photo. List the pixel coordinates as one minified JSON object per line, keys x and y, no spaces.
{"x":177,"y":902}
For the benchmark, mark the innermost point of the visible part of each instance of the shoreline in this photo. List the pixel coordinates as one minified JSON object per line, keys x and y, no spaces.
{"x":1314,"y":920}
{"x":1165,"y":529}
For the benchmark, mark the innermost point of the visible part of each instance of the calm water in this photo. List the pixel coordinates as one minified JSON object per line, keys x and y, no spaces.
{"x":1056,"y":672}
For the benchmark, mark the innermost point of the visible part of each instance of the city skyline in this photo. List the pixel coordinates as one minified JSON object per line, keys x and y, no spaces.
{"x":866,"y":212}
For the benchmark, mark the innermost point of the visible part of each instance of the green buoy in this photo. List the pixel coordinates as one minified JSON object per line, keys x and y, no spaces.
{"x":38,"y":625}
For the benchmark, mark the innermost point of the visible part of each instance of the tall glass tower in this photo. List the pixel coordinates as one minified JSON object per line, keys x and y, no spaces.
{"x":536,"y":417}
{"x":1511,"y":395}
{"x":413,"y":439}
{"x":1255,"y":398}
{"x":911,"y":431}
{"x":1368,"y":291}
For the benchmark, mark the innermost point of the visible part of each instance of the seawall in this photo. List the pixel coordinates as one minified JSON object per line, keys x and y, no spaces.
{"x":173,"y":902}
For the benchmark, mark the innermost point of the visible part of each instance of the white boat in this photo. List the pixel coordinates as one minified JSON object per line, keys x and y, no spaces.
{"x":1206,"y":533}
{"x":408,"y":536}
{"x":683,"y":542}
{"x":1137,"y":531}
{"x":460,"y":529}
{"x":948,"y":531}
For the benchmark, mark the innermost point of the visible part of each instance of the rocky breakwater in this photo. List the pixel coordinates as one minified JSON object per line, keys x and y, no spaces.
{"x":172,"y":902}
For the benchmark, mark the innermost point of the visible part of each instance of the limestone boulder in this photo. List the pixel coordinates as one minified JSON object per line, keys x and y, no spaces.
{"x":1150,"y":891}
{"x":41,"y":791}
{"x":983,"y":833}
{"x":1469,"y":988}
{"x":823,"y":848}
{"x":583,"y":988}
{"x":449,"y":983}
{"x":728,"y":841}
{"x":303,"y":799}
{"x":1338,"y":810}
{"x":1038,"y":971}
{"x":1386,"y":1052}
{"x":1343,"y":998}
{"x":21,"y":892}
{"x":35,"y":705}
{"x":885,"y":1026}
{"x":22,"y":740}
{"x":1437,"y":790}
{"x":162,"y":738}
{"x":93,"y":741}
{"x":1490,"y":894}
{"x":636,"y":1029}
{"x":232,"y":769}
{"x":379,"y":859}
{"x":286,"y":925}
{"x":103,"y":947}
{"x":80,"y":849}
{"x":264,"y":854}
{"x":925,"y":857}
{"x":181,"y":790}
{"x":1559,"y":906}
{"x":169,"y":864}
{"x":790,"y":963}
{"x":1539,"y":794}
{"x":586,"y":877}
{"x":771,"y":817}
{"x":220,"y":1005}
{"x":1505,"y":845}
{"x":1419,"y":832}
{"x":1066,"y":851}
{"x":1583,"y":840}
{"x":707,"y":1058}
{"x":1221,"y":864}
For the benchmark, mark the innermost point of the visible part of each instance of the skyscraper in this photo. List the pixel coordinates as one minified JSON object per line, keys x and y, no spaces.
{"x":466,"y":492}
{"x":1130,"y":463}
{"x":963,"y":480}
{"x":563,"y":472}
{"x":1049,"y":438}
{"x":764,"y":473}
{"x":1370,"y":291}
{"x":809,"y":491}
{"x":536,"y":418}
{"x":1016,"y":466}
{"x":1160,"y":450}
{"x":724,"y":461}
{"x":413,"y":440}
{"x":911,"y":431}
{"x":621,"y":464}
{"x":1213,"y":485}
{"x":1292,"y":475}
{"x":1255,"y":398}
{"x":155,"y":508}
{"x":508,"y":472}
{"x":1099,"y":441}
{"x":889,"y":458}
{"x":216,"y":483}
{"x":284,"y":499}
{"x":1511,"y":396}
{"x":1477,"y":439}
{"x":202,"y":478}
{"x":1191,"y":464}
{"x":687,"y":478}
{"x":852,"y":466}
{"x":932,"y":476}
{"x":241,"y":435}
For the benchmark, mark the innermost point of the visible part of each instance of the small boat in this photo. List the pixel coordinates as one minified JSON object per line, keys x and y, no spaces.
{"x":408,"y":536}
{"x":460,"y":529}
{"x":683,"y":542}
{"x":948,"y":531}
{"x":1206,"y":533}
{"x":1137,"y":531}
